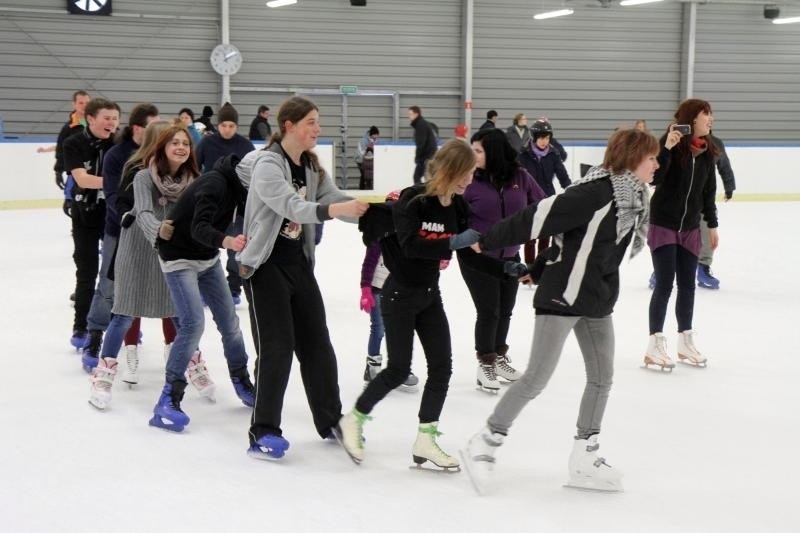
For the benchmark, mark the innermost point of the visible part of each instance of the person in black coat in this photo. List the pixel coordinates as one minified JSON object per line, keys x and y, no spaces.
{"x":425,"y":141}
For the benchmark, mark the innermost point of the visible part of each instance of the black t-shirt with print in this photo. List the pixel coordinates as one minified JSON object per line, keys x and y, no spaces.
{"x":289,"y":243}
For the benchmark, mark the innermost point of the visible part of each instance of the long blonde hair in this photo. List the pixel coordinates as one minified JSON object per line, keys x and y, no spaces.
{"x":450,"y":163}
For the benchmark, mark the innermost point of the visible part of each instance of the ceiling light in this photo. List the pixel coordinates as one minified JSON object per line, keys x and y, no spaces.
{"x":280,"y":3}
{"x":553,"y":14}
{"x":637,"y":2}
{"x":786,"y":20}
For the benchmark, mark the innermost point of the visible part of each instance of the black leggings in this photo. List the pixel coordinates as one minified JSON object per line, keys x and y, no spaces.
{"x":494,"y":300}
{"x":673,"y":262}
{"x":406,"y":310}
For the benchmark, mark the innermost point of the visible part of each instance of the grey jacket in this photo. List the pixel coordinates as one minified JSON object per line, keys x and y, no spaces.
{"x":272,"y":198}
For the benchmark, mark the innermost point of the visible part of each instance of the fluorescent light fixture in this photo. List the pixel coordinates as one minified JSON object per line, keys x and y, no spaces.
{"x":280,"y":3}
{"x":637,"y":2}
{"x":786,"y":20}
{"x":553,"y":14}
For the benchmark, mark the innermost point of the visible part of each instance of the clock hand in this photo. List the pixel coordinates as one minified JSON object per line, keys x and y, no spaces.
{"x":230,"y":55}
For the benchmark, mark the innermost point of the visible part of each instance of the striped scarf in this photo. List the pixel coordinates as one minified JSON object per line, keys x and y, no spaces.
{"x":633,"y":204}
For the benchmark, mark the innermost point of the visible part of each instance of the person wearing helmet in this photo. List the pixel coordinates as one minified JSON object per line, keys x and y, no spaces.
{"x":543,"y":162}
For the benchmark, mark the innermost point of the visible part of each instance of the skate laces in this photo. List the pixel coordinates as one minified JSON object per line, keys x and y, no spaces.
{"x":661,"y":348}
{"x":132,"y":359}
{"x":198,"y":373}
{"x":503,"y":361}
{"x":489,"y":371}
{"x":103,"y":376}
{"x":361,"y":418}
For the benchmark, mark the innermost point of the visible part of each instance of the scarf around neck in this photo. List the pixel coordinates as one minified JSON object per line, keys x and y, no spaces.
{"x":633,"y":204}
{"x":169,"y":187}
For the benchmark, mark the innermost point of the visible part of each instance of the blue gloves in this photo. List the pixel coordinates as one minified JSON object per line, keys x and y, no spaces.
{"x":464,"y":239}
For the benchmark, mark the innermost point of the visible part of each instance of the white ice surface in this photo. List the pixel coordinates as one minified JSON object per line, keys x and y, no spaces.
{"x":711,"y":450}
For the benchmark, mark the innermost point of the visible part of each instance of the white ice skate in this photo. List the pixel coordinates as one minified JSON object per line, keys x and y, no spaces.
{"x":478,"y":458}
{"x":688,"y":352}
{"x":656,"y":353}
{"x":131,"y":367}
{"x":100,"y":382}
{"x":197,"y":374}
{"x":350,"y":434}
{"x":588,"y":471}
{"x":504,"y":370}
{"x":425,"y":449}
{"x":487,"y":378}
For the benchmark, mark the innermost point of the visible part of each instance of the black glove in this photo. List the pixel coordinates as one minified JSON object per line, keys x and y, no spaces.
{"x":67,"y":208}
{"x":60,"y":180}
{"x":127,"y":219}
{"x":728,"y":195}
{"x":514,"y":269}
{"x":464,"y":239}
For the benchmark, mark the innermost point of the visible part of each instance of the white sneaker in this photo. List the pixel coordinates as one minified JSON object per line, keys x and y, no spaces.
{"x":197,"y":375}
{"x":504,"y":370}
{"x":687,"y":351}
{"x":131,"y":367}
{"x":426,"y":449}
{"x":478,"y":457}
{"x":487,"y":378}
{"x":100,"y":382}
{"x":656,"y":353}
{"x":589,"y":471}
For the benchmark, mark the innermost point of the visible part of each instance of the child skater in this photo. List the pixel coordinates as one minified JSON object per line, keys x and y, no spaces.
{"x":430,"y":220}
{"x":592,"y":223}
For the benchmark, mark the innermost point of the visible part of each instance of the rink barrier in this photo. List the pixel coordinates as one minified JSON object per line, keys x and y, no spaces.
{"x":764,"y":172}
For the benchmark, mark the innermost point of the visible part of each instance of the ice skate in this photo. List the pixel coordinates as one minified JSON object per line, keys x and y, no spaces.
{"x":588,"y":471}
{"x":167,"y":413}
{"x":487,"y":378}
{"x":91,"y":351}
{"x":425,"y":449}
{"x":687,"y":352}
{"x":100,"y":382}
{"x":244,"y":387}
{"x":502,"y":368}
{"x":349,"y":432}
{"x":373,"y":367}
{"x":269,"y":448}
{"x":651,"y":283}
{"x":656,"y":353}
{"x":410,"y":384}
{"x":79,"y":338}
{"x":705,"y":278}
{"x":130,"y":370}
{"x":197,"y":375}
{"x":478,"y":458}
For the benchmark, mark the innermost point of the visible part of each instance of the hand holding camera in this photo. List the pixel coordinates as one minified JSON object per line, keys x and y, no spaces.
{"x":676,"y":132}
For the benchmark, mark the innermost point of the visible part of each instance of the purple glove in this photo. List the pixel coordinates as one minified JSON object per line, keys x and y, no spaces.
{"x":367,"y":301}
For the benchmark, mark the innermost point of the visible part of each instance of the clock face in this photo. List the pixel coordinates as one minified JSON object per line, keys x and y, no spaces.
{"x":226,"y":59}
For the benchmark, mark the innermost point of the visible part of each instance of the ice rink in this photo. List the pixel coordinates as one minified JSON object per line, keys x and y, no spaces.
{"x":703,"y":450}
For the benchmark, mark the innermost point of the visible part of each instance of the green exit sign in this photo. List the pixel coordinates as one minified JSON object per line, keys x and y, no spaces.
{"x":348,"y":89}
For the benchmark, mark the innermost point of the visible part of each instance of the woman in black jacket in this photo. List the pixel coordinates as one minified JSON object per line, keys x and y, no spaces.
{"x":592,"y":222}
{"x":685,"y":188}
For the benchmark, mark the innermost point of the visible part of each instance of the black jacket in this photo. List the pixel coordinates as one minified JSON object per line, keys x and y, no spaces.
{"x":724,"y":168}
{"x":545,"y":168}
{"x":203,"y":212}
{"x":582,"y":275}
{"x":260,"y":129}
{"x":684,"y":190}
{"x":424,"y":139}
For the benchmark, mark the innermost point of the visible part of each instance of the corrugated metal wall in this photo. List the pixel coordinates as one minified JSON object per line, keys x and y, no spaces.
{"x":142,"y":53}
{"x":588,"y":72}
{"x":749,"y":70}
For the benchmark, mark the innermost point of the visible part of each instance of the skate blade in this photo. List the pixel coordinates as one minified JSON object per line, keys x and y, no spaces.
{"x":158,"y":422}
{"x":409,"y":389}
{"x":272,"y":455}
{"x":667,"y":369}
{"x":688,"y":362}
{"x":480,"y":487}
{"x":436,"y":470}
{"x":98,"y":404}
{"x":486,"y":389}
{"x":593,"y":487}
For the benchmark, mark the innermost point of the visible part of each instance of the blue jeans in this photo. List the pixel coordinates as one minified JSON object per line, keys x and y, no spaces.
{"x":189,"y":289}
{"x":375,"y":325}
{"x":103,"y":300}
{"x":115,"y":335}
